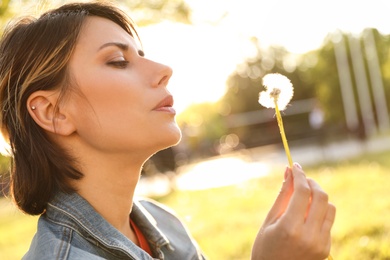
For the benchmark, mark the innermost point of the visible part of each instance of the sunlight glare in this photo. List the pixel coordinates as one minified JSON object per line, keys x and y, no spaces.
{"x":220,"y":172}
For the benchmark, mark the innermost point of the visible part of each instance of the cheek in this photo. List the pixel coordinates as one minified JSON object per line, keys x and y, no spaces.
{"x":112,"y":94}
{"x":114,"y":117}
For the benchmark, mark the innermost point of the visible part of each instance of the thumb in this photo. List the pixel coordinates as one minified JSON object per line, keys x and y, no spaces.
{"x":282,"y":199}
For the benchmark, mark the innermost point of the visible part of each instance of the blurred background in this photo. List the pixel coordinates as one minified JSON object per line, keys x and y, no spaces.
{"x":229,"y":164}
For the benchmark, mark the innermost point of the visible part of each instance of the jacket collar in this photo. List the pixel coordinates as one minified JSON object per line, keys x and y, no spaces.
{"x":73,"y":210}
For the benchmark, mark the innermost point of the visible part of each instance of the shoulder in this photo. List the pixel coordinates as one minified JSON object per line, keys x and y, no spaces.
{"x":162,"y":215}
{"x":153,"y":206}
{"x":49,"y":240}
{"x":169,"y":223}
{"x":56,"y":241}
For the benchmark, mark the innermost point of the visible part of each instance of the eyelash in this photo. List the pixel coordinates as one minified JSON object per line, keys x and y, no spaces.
{"x":122,"y":64}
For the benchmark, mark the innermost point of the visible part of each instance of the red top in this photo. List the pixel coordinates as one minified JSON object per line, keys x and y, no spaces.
{"x":143,"y":243}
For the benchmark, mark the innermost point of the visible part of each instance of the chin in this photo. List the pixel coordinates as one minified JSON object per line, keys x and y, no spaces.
{"x":170,"y":137}
{"x":176,"y":136}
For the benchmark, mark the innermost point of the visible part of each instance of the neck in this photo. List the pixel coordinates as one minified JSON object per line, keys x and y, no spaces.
{"x":109,"y":185}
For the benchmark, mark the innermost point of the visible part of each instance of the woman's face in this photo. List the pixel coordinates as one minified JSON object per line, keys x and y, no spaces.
{"x":122,"y":103}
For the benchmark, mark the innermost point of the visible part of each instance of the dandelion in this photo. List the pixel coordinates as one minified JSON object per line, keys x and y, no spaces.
{"x":278,"y":88}
{"x":278,"y":93}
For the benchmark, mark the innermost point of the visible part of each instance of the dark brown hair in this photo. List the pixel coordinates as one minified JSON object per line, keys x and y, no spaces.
{"x":34,"y":55}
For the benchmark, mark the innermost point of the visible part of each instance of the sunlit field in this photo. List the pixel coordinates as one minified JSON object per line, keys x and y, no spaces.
{"x":225,"y":220}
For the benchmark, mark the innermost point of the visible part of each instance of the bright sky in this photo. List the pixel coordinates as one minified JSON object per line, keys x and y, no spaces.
{"x":202,"y":55}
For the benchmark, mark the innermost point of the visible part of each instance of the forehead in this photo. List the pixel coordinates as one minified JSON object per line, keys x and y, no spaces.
{"x":97,"y":31}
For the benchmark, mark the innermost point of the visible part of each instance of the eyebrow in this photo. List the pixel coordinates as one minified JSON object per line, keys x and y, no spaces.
{"x":122,"y":46}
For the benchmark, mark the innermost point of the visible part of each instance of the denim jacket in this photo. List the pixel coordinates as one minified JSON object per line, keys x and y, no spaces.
{"x":71,"y":229}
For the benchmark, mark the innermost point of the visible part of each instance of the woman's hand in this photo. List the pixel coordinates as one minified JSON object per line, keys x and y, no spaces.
{"x":298,"y":224}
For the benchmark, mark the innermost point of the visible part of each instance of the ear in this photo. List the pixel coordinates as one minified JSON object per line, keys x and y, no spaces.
{"x":42,"y":108}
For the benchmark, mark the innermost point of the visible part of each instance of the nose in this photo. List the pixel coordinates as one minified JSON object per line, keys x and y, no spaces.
{"x":164,"y":73}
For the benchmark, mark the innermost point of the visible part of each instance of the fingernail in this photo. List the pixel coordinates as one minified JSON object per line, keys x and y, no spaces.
{"x":298,"y":165}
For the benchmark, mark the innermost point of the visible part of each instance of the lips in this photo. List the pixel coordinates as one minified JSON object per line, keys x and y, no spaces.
{"x":165,"y":105}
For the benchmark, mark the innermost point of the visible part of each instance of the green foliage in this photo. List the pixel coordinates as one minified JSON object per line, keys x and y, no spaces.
{"x":326,"y":83}
{"x":314,"y":76}
{"x":4,"y":7}
{"x":383,"y":43}
{"x":146,"y":12}
{"x":202,"y":125}
{"x":244,"y":85}
{"x":143,"y":12}
{"x":242,"y":92}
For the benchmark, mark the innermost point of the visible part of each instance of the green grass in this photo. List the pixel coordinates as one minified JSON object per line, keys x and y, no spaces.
{"x":225,"y":220}
{"x":16,"y":231}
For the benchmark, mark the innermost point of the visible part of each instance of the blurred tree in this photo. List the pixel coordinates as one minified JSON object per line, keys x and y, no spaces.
{"x":246,"y":81}
{"x":202,"y":125}
{"x":314,"y":75}
{"x":143,"y":12}
{"x":316,"y":81}
{"x":325,"y":81}
{"x":4,"y":7}
{"x":382,"y":46}
{"x":244,"y":85}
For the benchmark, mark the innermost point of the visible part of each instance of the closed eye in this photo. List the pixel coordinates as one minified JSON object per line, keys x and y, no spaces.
{"x":121,"y":64}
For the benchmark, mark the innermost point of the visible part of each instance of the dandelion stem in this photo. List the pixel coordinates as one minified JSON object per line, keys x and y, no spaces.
{"x":282,"y":133}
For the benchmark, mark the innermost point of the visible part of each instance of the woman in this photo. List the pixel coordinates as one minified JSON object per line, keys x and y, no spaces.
{"x":83,"y":109}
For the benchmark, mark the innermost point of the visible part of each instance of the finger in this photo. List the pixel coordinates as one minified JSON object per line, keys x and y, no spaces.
{"x":327,"y":226}
{"x":318,"y":206}
{"x":282,"y":199}
{"x":329,"y":219}
{"x":300,"y":198}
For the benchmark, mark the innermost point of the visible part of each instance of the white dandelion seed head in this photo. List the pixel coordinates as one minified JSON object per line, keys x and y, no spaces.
{"x":277,"y":87}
